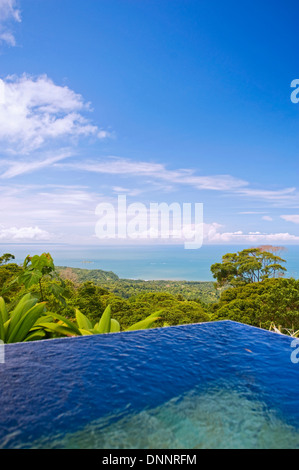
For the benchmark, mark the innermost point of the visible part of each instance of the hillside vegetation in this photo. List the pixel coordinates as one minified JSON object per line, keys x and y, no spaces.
{"x":126,"y":288}
{"x":40,"y":301}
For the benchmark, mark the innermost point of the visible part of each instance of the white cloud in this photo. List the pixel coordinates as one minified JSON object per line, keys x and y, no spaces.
{"x":9,"y":10}
{"x":34,"y":111}
{"x":64,"y":213}
{"x":24,"y":234}
{"x":212,"y":234}
{"x":291,"y":218}
{"x":9,"y":13}
{"x":67,"y":212}
{"x":267,"y":218}
{"x":126,"y":167}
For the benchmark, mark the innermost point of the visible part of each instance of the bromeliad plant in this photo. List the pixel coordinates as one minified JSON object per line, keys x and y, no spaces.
{"x":30,"y":321}
{"x":22,"y":323}
{"x":84,"y":327}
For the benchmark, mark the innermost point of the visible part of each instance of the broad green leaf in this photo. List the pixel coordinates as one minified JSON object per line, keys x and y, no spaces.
{"x":30,"y":278}
{"x":115,"y":326}
{"x":2,"y":331}
{"x":3,"y":318}
{"x":43,"y":261}
{"x":144,"y":324}
{"x":22,"y":328}
{"x":25,"y":304}
{"x":45,"y":318}
{"x":67,"y":322}
{"x":86,"y":332}
{"x":105,"y":322}
{"x":155,"y":314}
{"x":83,"y":321}
{"x":59,"y":329}
{"x":35,"y":336}
{"x":3,"y":310}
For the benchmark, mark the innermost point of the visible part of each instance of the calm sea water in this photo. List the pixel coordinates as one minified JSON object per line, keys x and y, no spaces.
{"x":145,"y":262}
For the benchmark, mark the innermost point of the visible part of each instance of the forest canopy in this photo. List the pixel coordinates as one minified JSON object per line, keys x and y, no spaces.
{"x":248,"y":266}
{"x":251,"y":288}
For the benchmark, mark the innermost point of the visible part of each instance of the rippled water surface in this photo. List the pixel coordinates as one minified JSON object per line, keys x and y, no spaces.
{"x":215,"y":419}
{"x":214,"y":385}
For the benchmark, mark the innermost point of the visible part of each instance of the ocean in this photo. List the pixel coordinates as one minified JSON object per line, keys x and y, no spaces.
{"x":144,"y":262}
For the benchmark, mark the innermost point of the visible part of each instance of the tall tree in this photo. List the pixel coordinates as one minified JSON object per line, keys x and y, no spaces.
{"x":4,"y":259}
{"x":248,"y":266}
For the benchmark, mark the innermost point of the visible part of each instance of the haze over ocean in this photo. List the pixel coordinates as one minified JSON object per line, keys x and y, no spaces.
{"x":145,"y":262}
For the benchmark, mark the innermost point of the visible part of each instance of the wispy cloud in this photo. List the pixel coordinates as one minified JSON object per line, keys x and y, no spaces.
{"x":291,"y":218}
{"x":67,"y":213}
{"x":126,"y":191}
{"x":35,"y":111}
{"x":252,"y":212}
{"x":9,"y":13}
{"x":125,"y":167}
{"x":279,"y":195}
{"x":17,"y":168}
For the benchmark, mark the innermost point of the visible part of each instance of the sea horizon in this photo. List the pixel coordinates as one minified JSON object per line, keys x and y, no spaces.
{"x":145,"y":262}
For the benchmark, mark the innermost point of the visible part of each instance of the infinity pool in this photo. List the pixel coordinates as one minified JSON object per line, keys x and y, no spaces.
{"x":213,"y":385}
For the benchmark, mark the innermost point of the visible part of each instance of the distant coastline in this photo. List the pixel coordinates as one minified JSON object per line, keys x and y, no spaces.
{"x":146,"y":263}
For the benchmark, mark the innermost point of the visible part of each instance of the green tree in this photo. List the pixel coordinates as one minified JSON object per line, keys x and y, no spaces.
{"x":8,"y":272}
{"x":4,"y":259}
{"x":37,"y":269}
{"x":247,"y":266}
{"x":272,"y":301}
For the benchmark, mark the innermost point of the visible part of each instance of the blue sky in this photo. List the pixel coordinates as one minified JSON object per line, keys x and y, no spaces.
{"x":163,"y":101}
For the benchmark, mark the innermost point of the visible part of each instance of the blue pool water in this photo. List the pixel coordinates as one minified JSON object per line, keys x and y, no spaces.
{"x":214,"y":385}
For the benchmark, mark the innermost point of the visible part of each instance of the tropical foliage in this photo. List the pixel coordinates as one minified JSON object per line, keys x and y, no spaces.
{"x":84,"y":327}
{"x":22,"y":323}
{"x":40,"y":309}
{"x":126,"y":288}
{"x":40,"y":301}
{"x":261,"y":304}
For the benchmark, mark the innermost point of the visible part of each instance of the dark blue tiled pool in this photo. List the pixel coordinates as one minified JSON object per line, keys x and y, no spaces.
{"x":213,"y":385}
